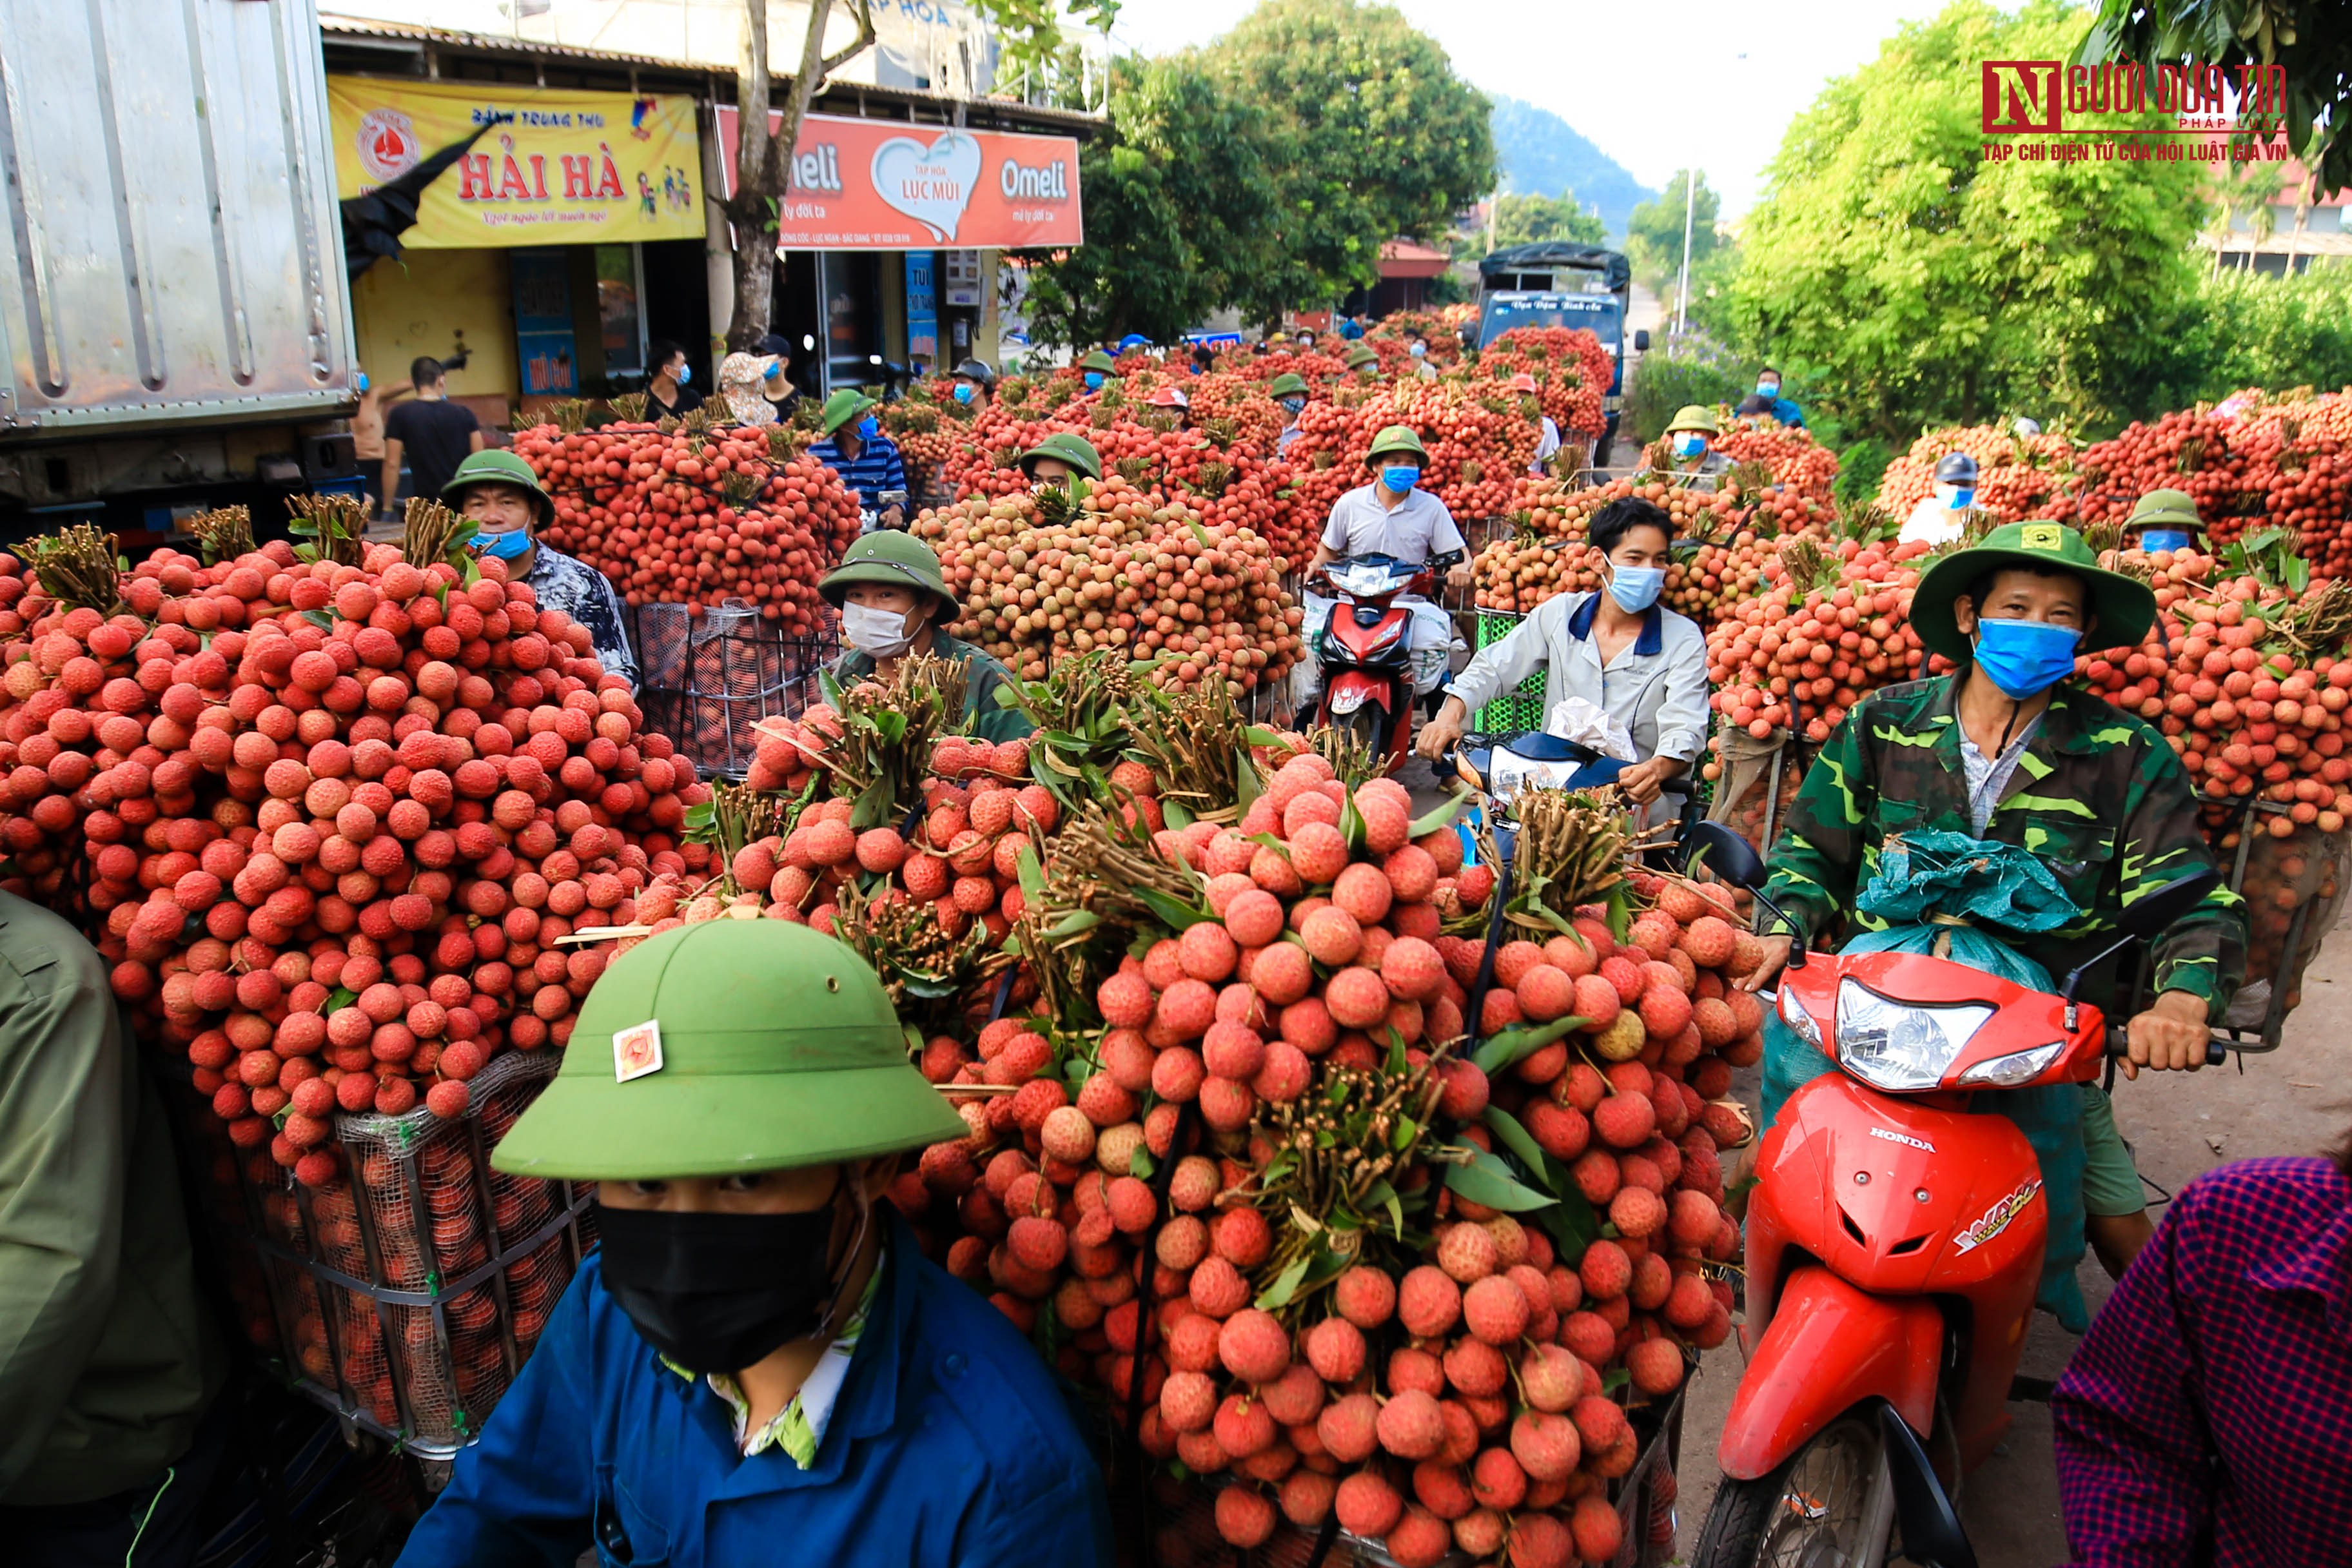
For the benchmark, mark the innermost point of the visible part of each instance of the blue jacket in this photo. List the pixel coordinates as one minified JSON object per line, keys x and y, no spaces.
{"x":950,"y":1444}
{"x":1787,"y":413}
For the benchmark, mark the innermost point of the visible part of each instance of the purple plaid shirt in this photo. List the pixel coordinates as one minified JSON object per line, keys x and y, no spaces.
{"x":2207,"y":1419}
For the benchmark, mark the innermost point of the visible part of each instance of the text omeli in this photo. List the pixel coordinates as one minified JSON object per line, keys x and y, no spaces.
{"x":1046,"y":182}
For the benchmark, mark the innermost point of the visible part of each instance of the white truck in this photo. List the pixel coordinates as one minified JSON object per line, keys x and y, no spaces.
{"x":175,"y":323}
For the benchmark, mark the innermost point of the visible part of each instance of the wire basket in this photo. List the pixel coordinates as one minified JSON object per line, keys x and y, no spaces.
{"x":709,"y":674}
{"x":405,"y":1296}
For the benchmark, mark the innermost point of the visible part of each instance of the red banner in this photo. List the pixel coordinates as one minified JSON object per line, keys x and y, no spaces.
{"x":876,"y":185}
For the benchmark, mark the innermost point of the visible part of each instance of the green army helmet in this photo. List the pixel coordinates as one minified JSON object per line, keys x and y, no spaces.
{"x":841,"y":408}
{"x":2165,"y":509}
{"x":498,"y":465}
{"x":1289,"y":383}
{"x":727,"y":1046}
{"x":1396,"y":439}
{"x":2124,"y":606}
{"x":1360,"y":355}
{"x":1099,"y":360}
{"x":895,"y":560}
{"x":1063,"y":446}
{"x":1691,"y":417}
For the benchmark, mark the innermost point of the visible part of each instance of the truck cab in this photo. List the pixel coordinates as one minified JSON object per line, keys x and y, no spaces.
{"x":1556,"y":283}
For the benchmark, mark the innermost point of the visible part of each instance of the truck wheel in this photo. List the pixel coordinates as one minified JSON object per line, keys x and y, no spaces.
{"x":1833,"y":1501}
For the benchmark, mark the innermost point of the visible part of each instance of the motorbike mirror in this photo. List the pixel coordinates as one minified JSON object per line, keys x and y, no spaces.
{"x":1642,"y":342}
{"x":1727,"y":855}
{"x":2150,"y":914}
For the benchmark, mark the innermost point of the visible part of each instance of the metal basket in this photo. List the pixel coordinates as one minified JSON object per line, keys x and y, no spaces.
{"x":709,"y":674}
{"x":405,"y":1296}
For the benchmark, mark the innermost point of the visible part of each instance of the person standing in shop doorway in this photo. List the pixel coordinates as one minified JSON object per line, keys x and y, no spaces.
{"x":431,"y":434}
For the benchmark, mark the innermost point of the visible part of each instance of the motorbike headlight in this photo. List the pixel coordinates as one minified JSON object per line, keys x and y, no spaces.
{"x":1899,"y":1045}
{"x":2018,"y":1066}
{"x":1800,"y":1023}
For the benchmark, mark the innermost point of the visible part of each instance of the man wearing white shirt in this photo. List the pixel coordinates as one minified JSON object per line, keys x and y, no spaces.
{"x":1619,"y":649}
{"x":1393,"y":516}
{"x":1547,"y":433}
{"x":1945,"y":515}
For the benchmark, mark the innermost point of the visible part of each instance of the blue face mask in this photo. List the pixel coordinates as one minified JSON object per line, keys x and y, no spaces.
{"x":685,"y":374}
{"x":1399,"y":477}
{"x":1768,"y":389}
{"x":964,"y":390}
{"x":1689,"y":444}
{"x":505,"y":546}
{"x":1636,"y":588}
{"x":2155,"y":538}
{"x":1292,"y":405}
{"x":1956,"y":497}
{"x":363,"y":382}
{"x":868,"y":429}
{"x":2025,"y":657}
{"x":1093,"y":380}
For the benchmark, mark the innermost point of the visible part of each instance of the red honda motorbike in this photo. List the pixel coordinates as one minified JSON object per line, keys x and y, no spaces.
{"x":1894,"y":1241}
{"x":1365,"y":650}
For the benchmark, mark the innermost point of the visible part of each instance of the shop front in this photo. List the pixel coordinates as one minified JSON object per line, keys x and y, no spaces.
{"x":547,"y":258}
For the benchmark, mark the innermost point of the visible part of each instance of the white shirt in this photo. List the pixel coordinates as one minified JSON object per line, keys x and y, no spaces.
{"x":1655,"y":687}
{"x":1933,"y":523}
{"x":1417,"y":529}
{"x":1546,"y":444}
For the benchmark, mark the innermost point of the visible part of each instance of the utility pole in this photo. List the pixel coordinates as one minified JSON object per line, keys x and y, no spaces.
{"x":1682,"y":293}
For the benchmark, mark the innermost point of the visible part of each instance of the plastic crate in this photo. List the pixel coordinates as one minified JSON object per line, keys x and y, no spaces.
{"x":1514,"y":712}
{"x":404,"y":1296}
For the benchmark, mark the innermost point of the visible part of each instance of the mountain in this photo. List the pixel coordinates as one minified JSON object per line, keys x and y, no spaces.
{"x":1541,"y":154}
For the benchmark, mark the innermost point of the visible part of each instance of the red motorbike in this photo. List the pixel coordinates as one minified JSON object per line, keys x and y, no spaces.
{"x":1365,"y":651}
{"x":1895,"y":1242}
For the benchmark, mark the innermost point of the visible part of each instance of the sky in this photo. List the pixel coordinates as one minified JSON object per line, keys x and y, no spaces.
{"x":1707,"y":82}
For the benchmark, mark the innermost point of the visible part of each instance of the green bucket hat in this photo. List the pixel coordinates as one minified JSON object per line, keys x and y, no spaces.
{"x":1396,"y":439}
{"x":1064,"y":447}
{"x":842,"y":407}
{"x":498,"y":465}
{"x":2124,"y":606}
{"x":1289,"y":382}
{"x":765,"y":1047}
{"x":1359,"y":355}
{"x":2165,"y":509}
{"x":1097,"y":360}
{"x":895,"y":560}
{"x":1694,"y":418}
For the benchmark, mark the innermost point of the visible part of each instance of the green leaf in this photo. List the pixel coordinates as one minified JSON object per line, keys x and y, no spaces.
{"x":473,"y":571}
{"x":1247,"y":786}
{"x":1073,"y":923}
{"x":1285,"y":1285}
{"x":343,"y":996}
{"x":1501,"y":1052}
{"x":1173,"y":814}
{"x":320,"y":619}
{"x":1259,"y":735}
{"x":1397,"y":1065}
{"x":1351,"y":824}
{"x":1438,"y":816}
{"x":1487,"y":1180}
{"x":1140,"y":1165}
{"x":1032,"y":876}
{"x":873,"y":807}
{"x":1384,"y":1196}
{"x":1171,"y":913}
{"x":1515,"y":1137}
{"x":1407,"y":1129}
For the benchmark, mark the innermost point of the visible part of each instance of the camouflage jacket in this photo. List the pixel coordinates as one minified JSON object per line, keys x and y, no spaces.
{"x":982,"y":679}
{"x":2097,"y":796}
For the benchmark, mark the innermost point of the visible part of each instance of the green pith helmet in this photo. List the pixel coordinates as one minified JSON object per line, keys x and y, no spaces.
{"x":2165,"y":509}
{"x":778,"y":1048}
{"x":1396,"y":439}
{"x":2125,"y":607}
{"x":1693,"y":417}
{"x":1097,"y":360}
{"x":498,"y":465}
{"x":1359,"y":355}
{"x":1289,"y":383}
{"x":1065,"y":446}
{"x":895,"y":560}
{"x":842,"y":407}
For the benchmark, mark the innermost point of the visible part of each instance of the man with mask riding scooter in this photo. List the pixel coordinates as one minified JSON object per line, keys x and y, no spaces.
{"x":760,"y":1366}
{"x":895,"y":604}
{"x":2010,"y":750}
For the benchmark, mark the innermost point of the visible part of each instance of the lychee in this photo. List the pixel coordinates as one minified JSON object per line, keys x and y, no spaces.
{"x":1306,"y":1498}
{"x":1413,"y":969}
{"x":1231,"y":1051}
{"x":1365,"y":1297}
{"x":1541,"y":1540}
{"x":1546,"y":1446}
{"x":1252,"y":1345}
{"x":1187,"y":1402}
{"x":1207,"y":950}
{"x":1496,"y":1480}
{"x":1281,"y":973}
{"x":1466,"y":1252}
{"x":1367,"y":1505}
{"x":1496,"y":1309}
{"x":1512,"y":962}
{"x":1475,"y":1367}
{"x":1411,"y":874}
{"x":1332,"y":935}
{"x":1334,"y":1349}
{"x":1187,"y":1007}
{"x":1318,"y":853}
{"x":1625,"y":1121}
{"x":1606,"y":1270}
{"x":1600,"y":1533}
{"x":1411,"y":1425}
{"x":1597,"y":1176}
{"x":1363,"y":892}
{"x":1665,"y":1011}
{"x":1347,"y":1428}
{"x":1636,"y":1212}
{"x":1442,"y":1489}
{"x":1718,"y":1026}
{"x":1254,"y":919}
{"x":1245,"y":1516}
{"x":1587,"y":1337}
{"x":1557,"y":1129}
{"x":1357,"y":997}
{"x":1546,"y":993}
{"x":1243,"y":1425}
{"x":1599,"y":1422}
{"x":1550,"y":1378}
{"x":1428,"y":1302}
{"x":1218,"y":1289}
{"x":1596,"y":1001}
{"x":1709,"y":939}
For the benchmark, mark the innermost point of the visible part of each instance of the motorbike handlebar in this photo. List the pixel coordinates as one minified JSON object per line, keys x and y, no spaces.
{"x":2119,"y":1044}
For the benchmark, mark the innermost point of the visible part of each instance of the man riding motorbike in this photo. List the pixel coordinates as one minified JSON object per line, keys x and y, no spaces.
{"x":1393,"y":516}
{"x":2009,"y":750}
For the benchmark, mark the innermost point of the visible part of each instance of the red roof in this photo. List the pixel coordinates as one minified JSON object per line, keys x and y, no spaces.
{"x":1403,"y":259}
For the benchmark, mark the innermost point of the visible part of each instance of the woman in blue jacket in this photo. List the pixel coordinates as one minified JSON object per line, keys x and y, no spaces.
{"x":759,"y":1366}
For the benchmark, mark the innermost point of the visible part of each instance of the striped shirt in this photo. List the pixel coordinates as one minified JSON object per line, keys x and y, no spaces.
{"x":874,"y":470}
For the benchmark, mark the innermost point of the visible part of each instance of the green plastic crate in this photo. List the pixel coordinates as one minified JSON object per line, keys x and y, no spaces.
{"x":1514,"y":712}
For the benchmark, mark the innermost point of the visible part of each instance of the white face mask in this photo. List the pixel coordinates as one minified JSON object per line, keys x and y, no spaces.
{"x":882,"y":633}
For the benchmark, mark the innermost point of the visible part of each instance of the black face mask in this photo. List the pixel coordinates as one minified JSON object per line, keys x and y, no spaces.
{"x":716,"y":1292}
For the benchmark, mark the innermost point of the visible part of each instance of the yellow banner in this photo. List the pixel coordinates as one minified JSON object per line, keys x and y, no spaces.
{"x":552,"y":168}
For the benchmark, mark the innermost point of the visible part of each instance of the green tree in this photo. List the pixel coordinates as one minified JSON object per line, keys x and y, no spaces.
{"x":1371,"y":135}
{"x":1654,"y":235}
{"x":1176,"y":193}
{"x":2310,"y":39}
{"x":1927,"y":284}
{"x":1524,"y":220}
